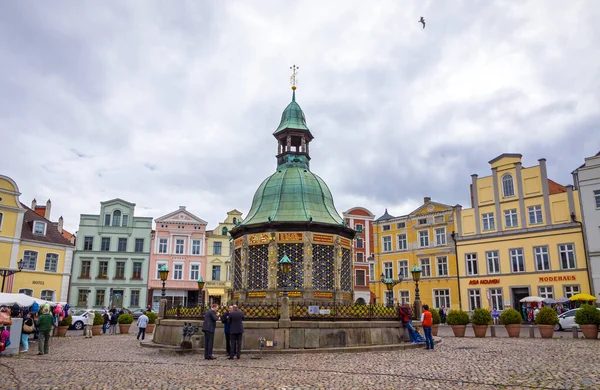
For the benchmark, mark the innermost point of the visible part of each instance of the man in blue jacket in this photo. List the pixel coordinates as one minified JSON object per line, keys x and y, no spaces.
{"x":226,"y":328}
{"x":208,"y":328}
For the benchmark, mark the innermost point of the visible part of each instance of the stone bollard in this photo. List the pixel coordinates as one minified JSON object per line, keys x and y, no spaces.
{"x":162,"y":308}
{"x":493,"y":331}
{"x":575,"y":333}
{"x":531,"y":331}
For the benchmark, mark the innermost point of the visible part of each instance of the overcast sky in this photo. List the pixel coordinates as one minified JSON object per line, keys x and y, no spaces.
{"x":167,"y":103}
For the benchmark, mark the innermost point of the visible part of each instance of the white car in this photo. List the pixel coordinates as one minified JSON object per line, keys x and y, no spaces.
{"x":79,"y":318}
{"x":566,"y":321}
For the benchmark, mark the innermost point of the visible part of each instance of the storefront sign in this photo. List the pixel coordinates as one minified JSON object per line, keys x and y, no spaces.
{"x":557,"y":278}
{"x":257,"y":294}
{"x":290,"y":237}
{"x":236,"y":296}
{"x":322,"y":239}
{"x":293,"y":294}
{"x":484,"y":281}
{"x":346,"y":296}
{"x":38,"y":282}
{"x":319,"y":294}
{"x":345,"y":242}
{"x":256,"y":239}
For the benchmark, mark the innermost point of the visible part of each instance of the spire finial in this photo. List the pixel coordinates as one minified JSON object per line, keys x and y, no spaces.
{"x":293,"y":80}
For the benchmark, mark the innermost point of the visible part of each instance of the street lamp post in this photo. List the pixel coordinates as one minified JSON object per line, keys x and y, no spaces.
{"x":7,"y":272}
{"x":416,"y":274}
{"x":285,"y":264}
{"x":164,"y":274}
{"x":201,"y":288}
{"x":390,"y":283}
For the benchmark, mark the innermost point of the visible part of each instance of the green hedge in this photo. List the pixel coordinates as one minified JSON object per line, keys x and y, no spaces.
{"x":481,"y":317}
{"x":457,"y":317}
{"x":66,"y":321}
{"x":435,"y":317}
{"x":125,"y":319}
{"x":546,"y":316}
{"x":98,"y":320}
{"x":587,"y":315}
{"x":511,"y":317}
{"x":151,"y":317}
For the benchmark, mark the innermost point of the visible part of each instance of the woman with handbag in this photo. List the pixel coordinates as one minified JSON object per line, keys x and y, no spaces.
{"x":28,"y":329}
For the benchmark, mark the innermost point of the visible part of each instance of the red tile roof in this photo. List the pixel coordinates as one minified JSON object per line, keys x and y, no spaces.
{"x":52,"y":235}
{"x":555,"y":188}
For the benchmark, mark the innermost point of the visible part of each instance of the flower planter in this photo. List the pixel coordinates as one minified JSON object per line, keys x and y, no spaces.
{"x":513,"y":330}
{"x":590,"y":331}
{"x":96,"y":330}
{"x":124,"y":328}
{"x":62,"y":331}
{"x":459,"y":330}
{"x":150,"y":328}
{"x":480,"y":330}
{"x":434,"y":329}
{"x":546,"y":331}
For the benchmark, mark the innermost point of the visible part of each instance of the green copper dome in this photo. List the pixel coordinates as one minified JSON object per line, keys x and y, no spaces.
{"x":292,"y":117}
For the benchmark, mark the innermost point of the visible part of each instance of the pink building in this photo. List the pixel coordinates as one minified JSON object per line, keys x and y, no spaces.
{"x":179,"y":243}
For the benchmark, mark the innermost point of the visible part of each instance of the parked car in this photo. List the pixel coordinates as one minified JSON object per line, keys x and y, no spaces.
{"x":566,"y":321}
{"x":79,"y":319}
{"x":137,"y":313}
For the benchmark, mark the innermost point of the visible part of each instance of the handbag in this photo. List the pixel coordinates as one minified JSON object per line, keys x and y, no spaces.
{"x":28,"y":328}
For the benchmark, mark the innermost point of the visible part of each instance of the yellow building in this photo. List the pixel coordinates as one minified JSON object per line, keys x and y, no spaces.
{"x":521,"y":237}
{"x":421,"y":238}
{"x":31,"y":237}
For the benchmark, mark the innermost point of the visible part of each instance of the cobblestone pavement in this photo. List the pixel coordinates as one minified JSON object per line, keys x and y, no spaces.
{"x":118,"y":362}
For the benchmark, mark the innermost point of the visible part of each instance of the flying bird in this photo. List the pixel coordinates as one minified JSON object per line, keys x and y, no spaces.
{"x":422,"y":20}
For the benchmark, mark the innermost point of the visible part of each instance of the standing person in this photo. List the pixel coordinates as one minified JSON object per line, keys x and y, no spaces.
{"x":28,"y":329}
{"x":142,"y":323}
{"x":114,"y":320}
{"x":442,"y":313}
{"x":208,"y":328}
{"x":405,"y":315}
{"x":535,"y":312}
{"x":106,"y":318}
{"x":236,"y":319}
{"x":44,"y":324}
{"x":113,"y":310}
{"x":89,"y":323}
{"x":496,"y":316}
{"x":427,"y":322}
{"x":227,"y":329}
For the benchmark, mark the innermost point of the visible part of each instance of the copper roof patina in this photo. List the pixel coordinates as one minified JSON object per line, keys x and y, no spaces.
{"x":292,"y":117}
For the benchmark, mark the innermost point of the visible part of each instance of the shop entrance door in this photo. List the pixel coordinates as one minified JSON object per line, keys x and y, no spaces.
{"x":519,"y":293}
{"x":117,"y":298}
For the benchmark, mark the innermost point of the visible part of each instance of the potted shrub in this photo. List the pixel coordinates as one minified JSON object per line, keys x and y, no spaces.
{"x":64,"y":325}
{"x":125,"y":321}
{"x":588,"y":318}
{"x":98,"y":321}
{"x":546,"y":319}
{"x":458,"y":320}
{"x":436,"y":319}
{"x":481,"y":319}
{"x":512,"y":320}
{"x":151,"y":321}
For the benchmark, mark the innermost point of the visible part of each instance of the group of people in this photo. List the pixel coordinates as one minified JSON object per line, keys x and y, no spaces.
{"x":38,"y":322}
{"x":426,"y":323}
{"x":233,"y":324}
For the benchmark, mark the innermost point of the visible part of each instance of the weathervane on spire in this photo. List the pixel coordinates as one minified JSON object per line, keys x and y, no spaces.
{"x":293,"y":80}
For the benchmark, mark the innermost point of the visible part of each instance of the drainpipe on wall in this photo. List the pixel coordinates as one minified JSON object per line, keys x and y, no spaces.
{"x":585,"y":252}
{"x":453,"y":235}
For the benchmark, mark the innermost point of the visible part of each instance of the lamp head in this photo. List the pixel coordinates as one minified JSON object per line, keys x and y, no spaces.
{"x":20,"y":265}
{"x":200,"y":283}
{"x":416,"y":273}
{"x":285,"y":264}
{"x":164,"y":273}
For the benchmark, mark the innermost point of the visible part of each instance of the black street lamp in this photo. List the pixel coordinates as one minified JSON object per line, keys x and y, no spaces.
{"x":201,"y":288}
{"x":416,"y":274}
{"x":286,"y":266}
{"x":390,"y":283}
{"x":164,"y":274}
{"x":7,"y":272}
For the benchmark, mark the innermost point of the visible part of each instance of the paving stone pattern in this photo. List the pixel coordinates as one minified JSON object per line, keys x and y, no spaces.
{"x":118,"y":362}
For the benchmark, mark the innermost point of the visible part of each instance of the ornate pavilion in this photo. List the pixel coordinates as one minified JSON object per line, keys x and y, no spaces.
{"x":293,"y":240}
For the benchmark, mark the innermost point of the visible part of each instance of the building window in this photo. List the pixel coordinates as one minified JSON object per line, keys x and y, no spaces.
{"x":162,"y":245}
{"x":386,"y":228}
{"x":571,"y":290}
{"x":402,"y":244}
{"x":122,"y":245}
{"x":510,"y":218}
{"x":488,"y":221}
{"x":360,"y":257}
{"x":216,"y":272}
{"x":472,"y":268}
{"x":542,"y":258}
{"x":388,"y":270}
{"x":546,"y":292}
{"x":39,"y":228}
{"x":439,"y":219}
{"x":234,"y":220}
{"x":493,"y":262}
{"x":47,"y":295}
{"x":517,"y":261}
{"x":85,"y":269}
{"x":29,"y":260}
{"x":360,"y":278}
{"x":387,"y":243}
{"x":137,"y":271}
{"x":360,"y":243}
{"x":26,"y":291}
{"x":82,"y":297}
{"x":217,"y":248}
{"x":440,"y":236}
{"x":99,"y":298}
{"x":442,"y":266}
{"x":125,"y":219}
{"x":107,"y":220}
{"x":441,"y":298}
{"x":389,"y":296}
{"x":1,"y":217}
{"x":424,"y":238}
{"x":422,"y":221}
{"x":196,"y":247}
{"x":403,"y":268}
{"x":496,"y":298}
{"x":425,"y":268}
{"x":359,"y":227}
{"x":194,"y":271}
{"x":179,"y":244}
{"x":159,"y":266}
{"x":404,"y":297}
{"x":567,"y":256}
{"x":51,"y":264}
{"x":105,"y":245}
{"x":597,"y":198}
{"x":178,"y":271}
{"x":88,"y":243}
{"x":102,"y":269}
{"x":224,"y":231}
{"x":135,"y":298}
{"x":116,"y":219}
{"x":401,"y":225}
{"x":535,"y":214}
{"x":120,"y":270}
{"x":474,"y":299}
{"x":371,"y":272}
{"x":139,"y":244}
{"x":508,"y":186}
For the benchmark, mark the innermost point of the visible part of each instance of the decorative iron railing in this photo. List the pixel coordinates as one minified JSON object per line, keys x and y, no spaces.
{"x":342,"y":312}
{"x":254,"y":311}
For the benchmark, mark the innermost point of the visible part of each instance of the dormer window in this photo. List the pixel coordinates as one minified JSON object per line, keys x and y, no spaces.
{"x":234,"y":220}
{"x":39,"y":228}
{"x":116,"y":218}
{"x":508,"y":186}
{"x":224,"y":231}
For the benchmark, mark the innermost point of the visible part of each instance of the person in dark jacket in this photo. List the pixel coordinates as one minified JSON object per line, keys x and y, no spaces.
{"x":208,"y":328}
{"x":226,"y":328}
{"x":114,"y":320}
{"x":236,"y":330}
{"x":106,"y":318}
